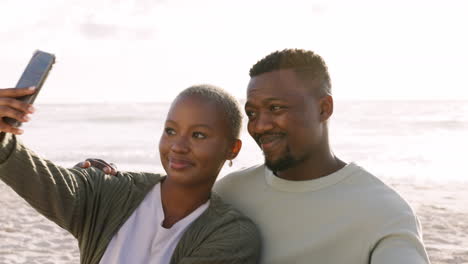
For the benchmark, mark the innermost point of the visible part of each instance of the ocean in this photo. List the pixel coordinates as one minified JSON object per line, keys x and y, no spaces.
{"x":415,"y":140}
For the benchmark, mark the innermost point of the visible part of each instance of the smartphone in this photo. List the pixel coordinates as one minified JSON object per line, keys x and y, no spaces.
{"x":35,"y":74}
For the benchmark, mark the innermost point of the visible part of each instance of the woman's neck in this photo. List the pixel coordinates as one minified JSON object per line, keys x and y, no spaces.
{"x":179,"y":201}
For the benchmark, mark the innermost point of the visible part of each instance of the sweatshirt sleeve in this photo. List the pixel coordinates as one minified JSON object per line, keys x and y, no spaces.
{"x":401,"y":244}
{"x":52,"y":190}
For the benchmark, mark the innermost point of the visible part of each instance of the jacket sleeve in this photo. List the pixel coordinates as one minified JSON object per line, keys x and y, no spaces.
{"x":234,"y":243}
{"x":50,"y":189}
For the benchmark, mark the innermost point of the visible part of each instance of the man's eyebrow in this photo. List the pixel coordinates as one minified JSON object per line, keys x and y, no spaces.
{"x":273,"y":99}
{"x":267,"y":100}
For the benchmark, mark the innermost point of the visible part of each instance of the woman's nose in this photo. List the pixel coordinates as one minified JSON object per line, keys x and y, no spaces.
{"x":180,"y":145}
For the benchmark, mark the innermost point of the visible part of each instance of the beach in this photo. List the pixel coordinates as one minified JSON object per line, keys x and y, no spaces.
{"x":27,"y":237}
{"x":442,"y":211}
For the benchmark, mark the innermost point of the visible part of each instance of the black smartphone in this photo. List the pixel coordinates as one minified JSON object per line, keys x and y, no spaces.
{"x":34,"y":75}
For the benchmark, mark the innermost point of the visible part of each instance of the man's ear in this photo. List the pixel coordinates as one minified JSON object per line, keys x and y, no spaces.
{"x":236,"y":147}
{"x":326,"y":107}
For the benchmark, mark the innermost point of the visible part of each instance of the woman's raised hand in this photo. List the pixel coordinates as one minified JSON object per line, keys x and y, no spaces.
{"x":10,"y":106}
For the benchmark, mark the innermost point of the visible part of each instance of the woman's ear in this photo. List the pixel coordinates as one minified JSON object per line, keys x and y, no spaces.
{"x":236,"y":147}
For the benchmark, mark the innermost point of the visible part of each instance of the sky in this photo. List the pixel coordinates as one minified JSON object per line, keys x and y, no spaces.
{"x":148,"y":51}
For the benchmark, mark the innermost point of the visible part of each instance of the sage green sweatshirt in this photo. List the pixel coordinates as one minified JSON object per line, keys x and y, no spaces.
{"x":93,"y":206}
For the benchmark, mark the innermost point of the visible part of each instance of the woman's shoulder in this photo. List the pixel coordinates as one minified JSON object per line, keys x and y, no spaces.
{"x":220,"y":209}
{"x":223,"y":219}
{"x":221,"y":234}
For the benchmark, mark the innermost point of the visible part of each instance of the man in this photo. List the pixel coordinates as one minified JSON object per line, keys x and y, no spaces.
{"x":310,"y":206}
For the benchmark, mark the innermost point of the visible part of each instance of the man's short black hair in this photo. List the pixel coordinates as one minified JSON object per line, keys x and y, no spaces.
{"x":307,"y":64}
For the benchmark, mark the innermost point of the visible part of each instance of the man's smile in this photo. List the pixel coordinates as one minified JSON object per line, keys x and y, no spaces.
{"x":269,"y":142}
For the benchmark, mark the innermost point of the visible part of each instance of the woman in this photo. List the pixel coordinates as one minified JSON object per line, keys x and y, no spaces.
{"x":143,"y":217}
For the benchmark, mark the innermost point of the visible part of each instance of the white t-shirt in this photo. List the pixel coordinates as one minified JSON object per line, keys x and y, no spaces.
{"x":142,"y":239}
{"x":349,"y":216}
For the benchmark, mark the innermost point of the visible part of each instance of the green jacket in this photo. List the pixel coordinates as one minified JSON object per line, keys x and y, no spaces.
{"x":93,"y":206}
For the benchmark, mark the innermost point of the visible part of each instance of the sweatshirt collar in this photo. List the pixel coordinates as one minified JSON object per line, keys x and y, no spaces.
{"x":309,"y":185}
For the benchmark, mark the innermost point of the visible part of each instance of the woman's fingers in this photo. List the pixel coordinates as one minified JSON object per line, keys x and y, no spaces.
{"x":7,"y":111}
{"x":11,"y":107}
{"x":7,"y":128}
{"x":16,"y":104}
{"x":17,"y":92}
{"x":8,"y":97}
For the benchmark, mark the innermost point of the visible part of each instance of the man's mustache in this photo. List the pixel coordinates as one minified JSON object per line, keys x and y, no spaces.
{"x":268,"y":137}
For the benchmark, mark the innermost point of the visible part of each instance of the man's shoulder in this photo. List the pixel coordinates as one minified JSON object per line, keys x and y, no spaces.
{"x":384,"y":198}
{"x":258,"y":169}
{"x":377,"y":204}
{"x":240,"y":176}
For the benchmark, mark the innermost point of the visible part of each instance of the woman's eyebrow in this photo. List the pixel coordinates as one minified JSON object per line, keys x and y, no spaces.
{"x":191,"y":126}
{"x":202,"y":125}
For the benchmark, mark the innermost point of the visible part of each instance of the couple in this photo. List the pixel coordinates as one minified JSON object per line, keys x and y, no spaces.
{"x":309,"y":206}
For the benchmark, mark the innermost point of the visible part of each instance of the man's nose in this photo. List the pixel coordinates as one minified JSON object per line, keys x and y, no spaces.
{"x":261,"y":124}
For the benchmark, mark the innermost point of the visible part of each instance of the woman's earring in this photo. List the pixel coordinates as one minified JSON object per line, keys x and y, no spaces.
{"x":230,"y":163}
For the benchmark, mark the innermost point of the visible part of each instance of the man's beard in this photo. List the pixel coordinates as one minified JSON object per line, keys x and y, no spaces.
{"x":283,"y":163}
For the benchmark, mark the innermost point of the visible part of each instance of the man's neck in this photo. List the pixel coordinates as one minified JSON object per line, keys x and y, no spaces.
{"x":313,"y":168}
